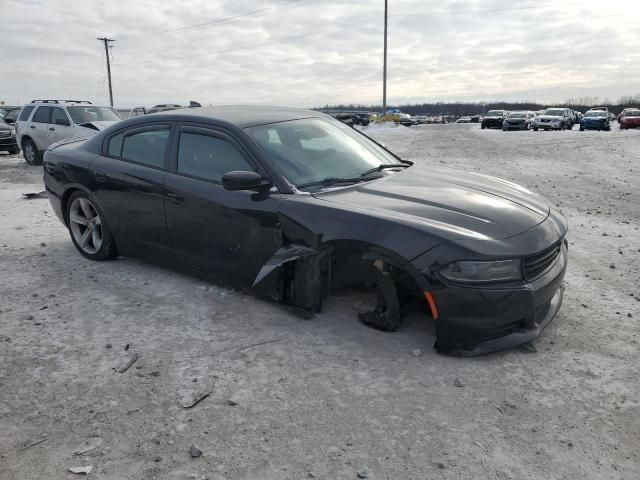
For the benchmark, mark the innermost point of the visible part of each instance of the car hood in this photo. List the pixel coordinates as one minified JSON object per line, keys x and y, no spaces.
{"x":452,"y":203}
{"x":97,"y":125}
{"x":549,"y":117}
{"x":594,"y":119}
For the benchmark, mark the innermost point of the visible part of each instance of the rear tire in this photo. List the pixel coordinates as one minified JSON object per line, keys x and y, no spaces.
{"x":535,"y":129}
{"x":581,"y":129}
{"x":88,"y":228}
{"x":30,"y":152}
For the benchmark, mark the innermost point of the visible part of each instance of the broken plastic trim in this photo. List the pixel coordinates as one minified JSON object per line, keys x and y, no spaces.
{"x":284,"y":254}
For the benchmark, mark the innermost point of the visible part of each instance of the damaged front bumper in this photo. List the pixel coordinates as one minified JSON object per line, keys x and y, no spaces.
{"x":479,"y":320}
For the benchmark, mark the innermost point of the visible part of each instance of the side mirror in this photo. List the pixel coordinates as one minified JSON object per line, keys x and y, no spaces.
{"x":242,"y":180}
{"x":62,"y":121}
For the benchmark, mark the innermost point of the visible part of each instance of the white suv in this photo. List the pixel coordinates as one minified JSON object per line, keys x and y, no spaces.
{"x":43,"y":122}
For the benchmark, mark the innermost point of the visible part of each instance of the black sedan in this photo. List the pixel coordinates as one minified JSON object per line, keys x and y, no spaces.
{"x":8,"y":138}
{"x":297,"y":205}
{"x":494,"y":119}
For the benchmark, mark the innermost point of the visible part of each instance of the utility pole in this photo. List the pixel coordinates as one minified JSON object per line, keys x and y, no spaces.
{"x":106,"y":52}
{"x":384,"y":68}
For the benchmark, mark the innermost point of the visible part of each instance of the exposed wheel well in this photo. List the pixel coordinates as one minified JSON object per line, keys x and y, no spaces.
{"x":399,"y":288}
{"x":64,"y":201}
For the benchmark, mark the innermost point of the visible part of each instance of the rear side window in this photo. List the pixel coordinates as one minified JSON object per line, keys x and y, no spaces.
{"x":147,"y":148}
{"x":115,"y":145}
{"x":42,"y":115}
{"x":25,"y":112}
{"x":208,"y":157}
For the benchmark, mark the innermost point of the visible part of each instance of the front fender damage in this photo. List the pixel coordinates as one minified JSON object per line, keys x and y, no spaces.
{"x":298,"y":276}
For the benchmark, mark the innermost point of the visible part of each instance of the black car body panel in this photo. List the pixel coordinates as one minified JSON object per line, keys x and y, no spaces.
{"x":298,"y":247}
{"x":494,"y":120}
{"x":8,"y":138}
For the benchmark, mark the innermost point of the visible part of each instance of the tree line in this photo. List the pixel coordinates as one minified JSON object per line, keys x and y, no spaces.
{"x":460,"y":109}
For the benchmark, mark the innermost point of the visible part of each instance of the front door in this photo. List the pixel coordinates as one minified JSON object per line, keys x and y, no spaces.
{"x":60,"y":126}
{"x":128,"y":184}
{"x":229,"y":234}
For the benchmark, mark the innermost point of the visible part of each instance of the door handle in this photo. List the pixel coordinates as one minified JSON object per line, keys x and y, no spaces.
{"x":174,"y":197}
{"x":100,"y":176}
{"x":31,"y":126}
{"x":52,"y":129}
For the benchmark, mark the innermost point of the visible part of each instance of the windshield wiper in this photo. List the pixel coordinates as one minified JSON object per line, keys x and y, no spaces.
{"x":332,"y":181}
{"x":362,"y":178}
{"x":384,"y":166}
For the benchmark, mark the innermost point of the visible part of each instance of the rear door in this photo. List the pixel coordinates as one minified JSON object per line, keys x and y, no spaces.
{"x":60,"y":126}
{"x":128,"y":184}
{"x":39,"y":127}
{"x":229,"y":234}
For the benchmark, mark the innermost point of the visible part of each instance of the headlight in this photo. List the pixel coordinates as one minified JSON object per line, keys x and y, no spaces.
{"x":482,"y":272}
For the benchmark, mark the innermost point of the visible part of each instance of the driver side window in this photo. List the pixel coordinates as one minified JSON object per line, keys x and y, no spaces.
{"x":58,"y":117}
{"x":208,"y":157}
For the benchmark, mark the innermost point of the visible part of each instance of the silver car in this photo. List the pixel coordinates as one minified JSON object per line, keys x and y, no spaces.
{"x":44,"y":122}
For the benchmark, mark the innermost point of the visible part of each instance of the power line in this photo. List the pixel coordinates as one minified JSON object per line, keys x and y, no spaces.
{"x":340,"y":27}
{"x":255,"y":45}
{"x":493,"y":10}
{"x":288,"y":4}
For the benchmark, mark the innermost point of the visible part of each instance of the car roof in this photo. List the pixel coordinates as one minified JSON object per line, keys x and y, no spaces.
{"x":242,"y":116}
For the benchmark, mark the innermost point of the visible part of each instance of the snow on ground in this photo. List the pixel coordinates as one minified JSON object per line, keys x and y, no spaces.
{"x":329,"y":397}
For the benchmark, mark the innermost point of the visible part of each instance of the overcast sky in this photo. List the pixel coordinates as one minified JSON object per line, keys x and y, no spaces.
{"x":317,"y":52}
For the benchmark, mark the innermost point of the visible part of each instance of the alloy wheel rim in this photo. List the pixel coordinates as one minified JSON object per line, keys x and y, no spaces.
{"x":85,"y":225}
{"x":29,"y":152}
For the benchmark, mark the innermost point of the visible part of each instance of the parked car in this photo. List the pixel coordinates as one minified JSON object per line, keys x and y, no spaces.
{"x":9,"y":114}
{"x":8,"y":138}
{"x":464,"y":120}
{"x":345,"y":118}
{"x":164,"y":107}
{"x":494,"y":119}
{"x":629,"y":118}
{"x":518,"y":121}
{"x":554,"y":118}
{"x":43,"y":122}
{"x":595,"y":120}
{"x":421,"y":119}
{"x":296,"y":205}
{"x":363,"y":118}
{"x":406,"y":119}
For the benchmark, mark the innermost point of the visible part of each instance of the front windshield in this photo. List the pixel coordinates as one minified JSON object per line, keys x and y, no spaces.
{"x":90,"y":113}
{"x":596,"y":114}
{"x":518,"y":115}
{"x":314,"y":149}
{"x":554,"y":112}
{"x":494,"y":113}
{"x":632,"y":113}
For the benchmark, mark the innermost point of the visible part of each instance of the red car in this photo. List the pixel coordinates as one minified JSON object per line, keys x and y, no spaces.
{"x":629,"y":118}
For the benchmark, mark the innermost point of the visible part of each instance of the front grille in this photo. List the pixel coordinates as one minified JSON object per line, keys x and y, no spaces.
{"x":535,"y":265}
{"x":5,"y":134}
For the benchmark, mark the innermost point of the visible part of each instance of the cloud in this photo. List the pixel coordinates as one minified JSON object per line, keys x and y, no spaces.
{"x":316,"y":52}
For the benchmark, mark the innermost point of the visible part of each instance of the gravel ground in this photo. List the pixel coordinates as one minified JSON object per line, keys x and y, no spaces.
{"x":326,"y":398}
